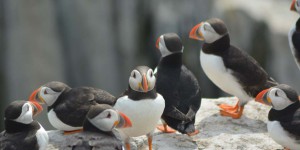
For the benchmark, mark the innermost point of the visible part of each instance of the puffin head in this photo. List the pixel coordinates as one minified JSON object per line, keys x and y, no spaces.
{"x":168,"y":44}
{"x":142,"y":79}
{"x":48,"y":93}
{"x":105,"y":118}
{"x":279,"y":97}
{"x":22,"y":111}
{"x":209,"y":31}
{"x":295,"y":6}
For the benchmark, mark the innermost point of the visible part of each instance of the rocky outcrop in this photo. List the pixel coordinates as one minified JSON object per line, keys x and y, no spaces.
{"x":216,"y":132}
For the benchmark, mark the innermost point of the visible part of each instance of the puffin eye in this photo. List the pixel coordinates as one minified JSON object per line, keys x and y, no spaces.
{"x":276,"y":93}
{"x":151,"y":74}
{"x":108,"y":115}
{"x":45,"y":92}
{"x":134,"y":76}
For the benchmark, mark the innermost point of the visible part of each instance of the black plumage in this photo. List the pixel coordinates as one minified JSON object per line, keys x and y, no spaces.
{"x":72,"y":104}
{"x":179,"y":87}
{"x":284,"y":117}
{"x":92,"y":138}
{"x":18,"y":136}
{"x":296,"y":41}
{"x":252,"y":77}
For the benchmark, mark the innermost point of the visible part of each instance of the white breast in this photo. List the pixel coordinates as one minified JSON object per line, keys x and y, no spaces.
{"x":56,"y":123}
{"x":215,"y":70}
{"x":144,"y":114}
{"x":42,"y":138}
{"x":292,"y":30}
{"x":282,"y":137}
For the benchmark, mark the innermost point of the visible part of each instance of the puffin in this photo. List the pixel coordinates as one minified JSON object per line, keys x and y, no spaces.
{"x":21,"y":132}
{"x":67,"y":107}
{"x":178,"y":85}
{"x":294,"y":34}
{"x":228,"y":67}
{"x":284,"y":117}
{"x":142,"y":104}
{"x":97,"y":133}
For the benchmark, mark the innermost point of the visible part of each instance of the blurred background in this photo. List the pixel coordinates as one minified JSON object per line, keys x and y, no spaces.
{"x":98,"y":42}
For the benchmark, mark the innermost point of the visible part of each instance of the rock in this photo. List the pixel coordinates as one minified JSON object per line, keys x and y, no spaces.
{"x":216,"y":132}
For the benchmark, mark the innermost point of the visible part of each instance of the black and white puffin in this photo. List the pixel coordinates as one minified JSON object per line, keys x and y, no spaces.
{"x":67,"y":107}
{"x":294,"y":34}
{"x":97,"y":132}
{"x":178,"y":86}
{"x":284,"y":116}
{"x":142,"y":104}
{"x":228,"y":67}
{"x":21,"y":131}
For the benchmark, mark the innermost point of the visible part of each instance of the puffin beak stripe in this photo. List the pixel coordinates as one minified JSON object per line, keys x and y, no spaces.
{"x":34,"y":94}
{"x":41,"y":99}
{"x":116,"y":123}
{"x":124,"y":122}
{"x":145,"y":83}
{"x":293,"y":5}
{"x":157,"y":43}
{"x":263,"y":98}
{"x":37,"y":108}
{"x":195,"y":33}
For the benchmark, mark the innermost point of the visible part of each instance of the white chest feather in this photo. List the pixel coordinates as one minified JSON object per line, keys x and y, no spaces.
{"x":42,"y":138}
{"x":292,"y":30}
{"x":216,"y":71}
{"x":144,"y":114}
{"x":282,"y":137}
{"x":58,"y":124}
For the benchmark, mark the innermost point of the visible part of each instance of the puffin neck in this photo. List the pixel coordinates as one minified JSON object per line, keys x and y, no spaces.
{"x":15,"y":127}
{"x":285,"y":115}
{"x":135,"y":95}
{"x":58,"y":100}
{"x":218,"y":47}
{"x":172,"y":60}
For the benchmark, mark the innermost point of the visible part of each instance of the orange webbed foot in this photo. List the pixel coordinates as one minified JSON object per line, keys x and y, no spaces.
{"x":165,"y":128}
{"x":235,"y":114}
{"x":228,"y":107}
{"x":72,"y":132}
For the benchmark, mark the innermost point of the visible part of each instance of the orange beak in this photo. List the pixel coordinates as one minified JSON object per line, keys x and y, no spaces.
{"x":293,"y":5}
{"x":195,"y":33}
{"x":124,"y":122}
{"x":157,"y":43}
{"x":37,"y":108}
{"x":34,"y":96}
{"x":263,"y":98}
{"x":145,"y":83}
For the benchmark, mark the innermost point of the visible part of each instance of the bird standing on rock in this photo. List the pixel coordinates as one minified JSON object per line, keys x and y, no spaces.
{"x":97,"y":134}
{"x":284,"y":116}
{"x":178,"y":86}
{"x":231,"y":69}
{"x":142,"y":104}
{"x":294,"y":34}
{"x":67,"y":107}
{"x":21,"y":131}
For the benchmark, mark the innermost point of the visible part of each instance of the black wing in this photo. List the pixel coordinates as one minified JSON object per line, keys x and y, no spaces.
{"x":296,"y":44}
{"x":251,"y":75}
{"x":294,"y":126}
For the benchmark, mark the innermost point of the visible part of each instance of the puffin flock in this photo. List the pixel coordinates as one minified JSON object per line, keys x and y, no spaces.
{"x":170,"y":93}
